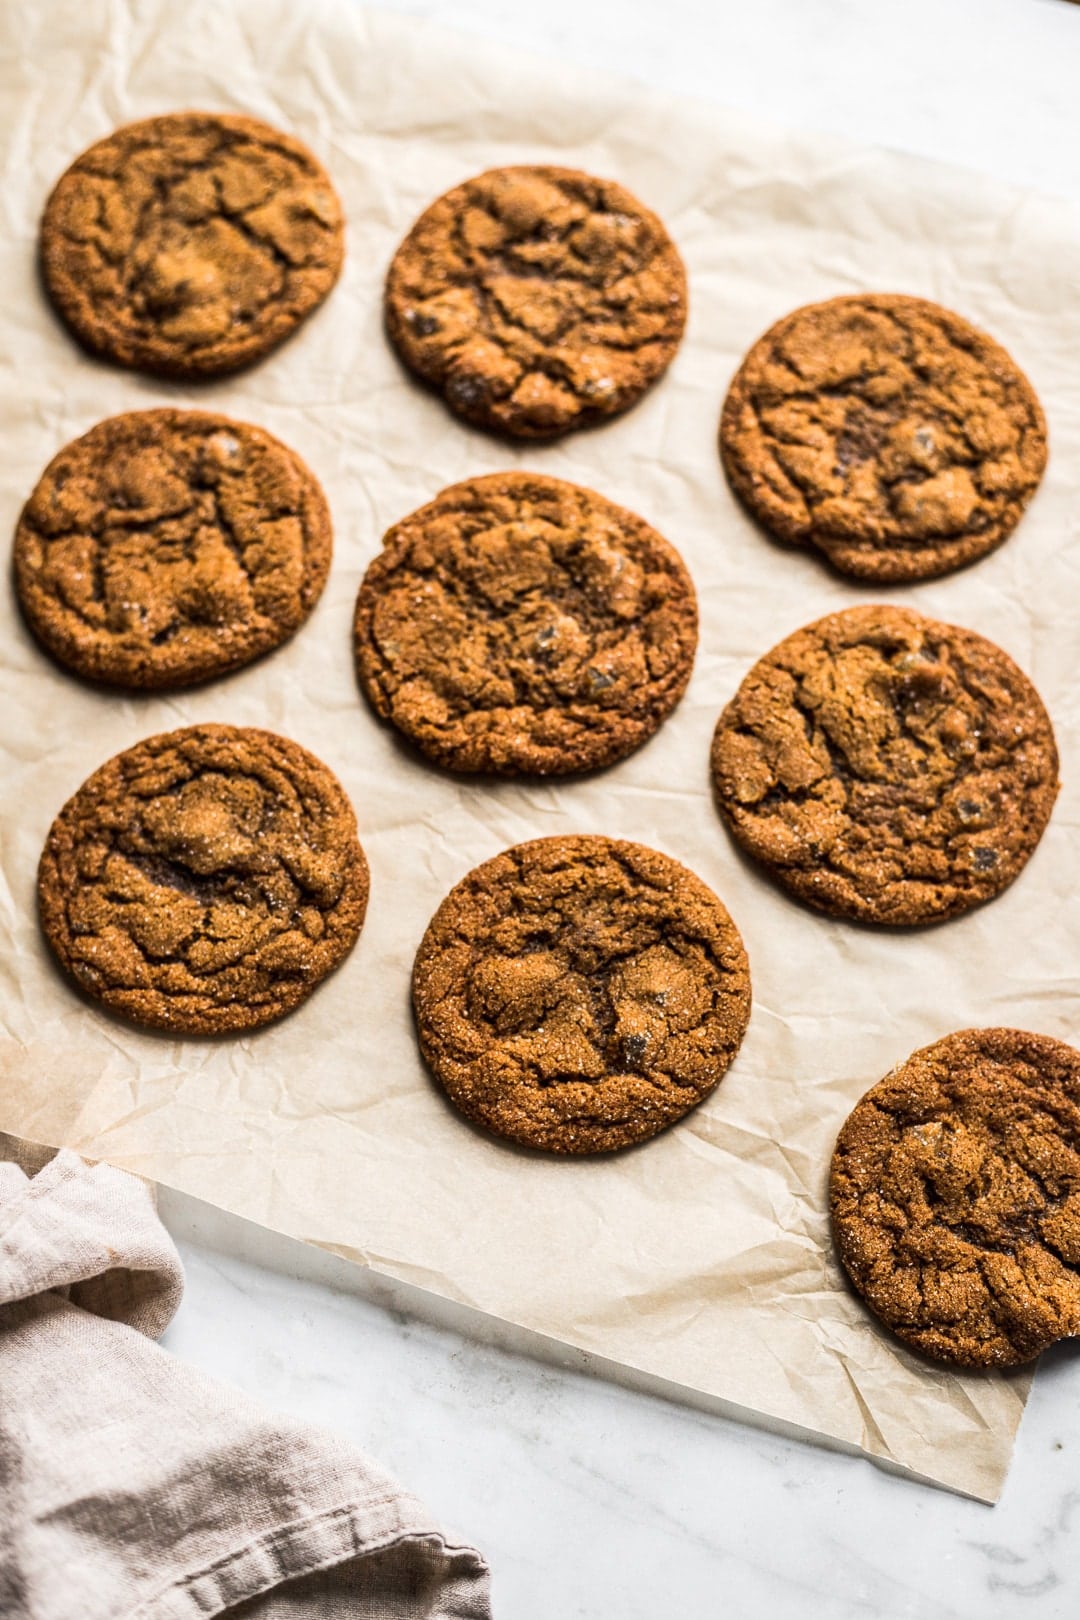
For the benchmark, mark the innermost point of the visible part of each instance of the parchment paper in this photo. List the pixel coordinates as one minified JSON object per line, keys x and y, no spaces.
{"x":703,"y":1257}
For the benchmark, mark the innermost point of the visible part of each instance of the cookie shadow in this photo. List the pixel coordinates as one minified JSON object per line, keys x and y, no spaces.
{"x":139,"y":694}
{"x":409,"y":752}
{"x":864,"y":584}
{"x":159,"y":376}
{"x":760,"y":872}
{"x":1058,"y":1355}
{"x":428,"y":388}
{"x":458,"y":1119}
{"x":67,"y":983}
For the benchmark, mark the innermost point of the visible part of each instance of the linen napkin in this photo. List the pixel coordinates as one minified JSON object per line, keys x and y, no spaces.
{"x":132,"y":1487}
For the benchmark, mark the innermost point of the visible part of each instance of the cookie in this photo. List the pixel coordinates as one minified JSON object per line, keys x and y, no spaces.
{"x":166,"y":547}
{"x":521,"y":625}
{"x":204,"y":881}
{"x":885,"y":431}
{"x":886,"y":767}
{"x":536,"y":300}
{"x":580,"y":994}
{"x":192,"y":244}
{"x":955,"y":1197}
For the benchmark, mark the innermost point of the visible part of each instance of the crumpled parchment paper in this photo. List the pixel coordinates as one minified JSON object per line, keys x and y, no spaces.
{"x":702,"y":1258}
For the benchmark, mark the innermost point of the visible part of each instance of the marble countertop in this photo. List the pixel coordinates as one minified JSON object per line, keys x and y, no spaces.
{"x":590,"y":1499}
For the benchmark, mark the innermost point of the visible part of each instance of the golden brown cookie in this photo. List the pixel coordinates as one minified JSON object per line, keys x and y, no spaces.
{"x":580,"y":994}
{"x":522,"y":625}
{"x":191,"y":244}
{"x":204,"y":881}
{"x":886,"y":767}
{"x":955,"y":1197}
{"x":887,"y":432}
{"x":165,"y":547}
{"x":537,"y":300}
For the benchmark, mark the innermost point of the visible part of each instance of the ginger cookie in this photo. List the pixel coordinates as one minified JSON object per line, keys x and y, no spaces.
{"x":165,"y":547}
{"x":204,"y":881}
{"x":887,"y":432}
{"x":886,"y":767}
{"x":521,"y":625}
{"x":192,"y":244}
{"x":580,"y":994}
{"x":536,"y":300}
{"x":955,"y":1197}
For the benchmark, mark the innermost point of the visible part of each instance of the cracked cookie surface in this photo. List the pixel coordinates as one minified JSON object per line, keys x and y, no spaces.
{"x":955,"y":1197}
{"x":887,"y":432}
{"x":204,"y":881}
{"x":522,"y":625}
{"x":166,"y":547}
{"x":191,"y":244}
{"x":886,"y":767}
{"x":579,"y":994}
{"x":537,"y":300}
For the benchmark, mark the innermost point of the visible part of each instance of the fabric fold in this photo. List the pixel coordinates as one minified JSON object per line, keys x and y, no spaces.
{"x":133,"y":1487}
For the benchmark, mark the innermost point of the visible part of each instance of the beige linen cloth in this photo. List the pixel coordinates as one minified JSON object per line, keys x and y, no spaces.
{"x":133,"y":1487}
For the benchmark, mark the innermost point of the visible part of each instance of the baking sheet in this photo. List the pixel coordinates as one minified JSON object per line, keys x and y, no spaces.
{"x":701,"y":1259}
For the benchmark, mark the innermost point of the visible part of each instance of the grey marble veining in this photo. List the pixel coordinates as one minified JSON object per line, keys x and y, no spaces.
{"x":591,"y":1499}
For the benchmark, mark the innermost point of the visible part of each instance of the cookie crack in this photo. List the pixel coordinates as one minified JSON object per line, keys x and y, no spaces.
{"x":130,"y":578}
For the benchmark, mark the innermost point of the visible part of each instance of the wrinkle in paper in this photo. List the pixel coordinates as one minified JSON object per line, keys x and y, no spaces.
{"x":703,"y":1258}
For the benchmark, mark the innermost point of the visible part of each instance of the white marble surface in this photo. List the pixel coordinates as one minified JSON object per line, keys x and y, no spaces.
{"x":593,"y":1500}
{"x":596,"y":1502}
